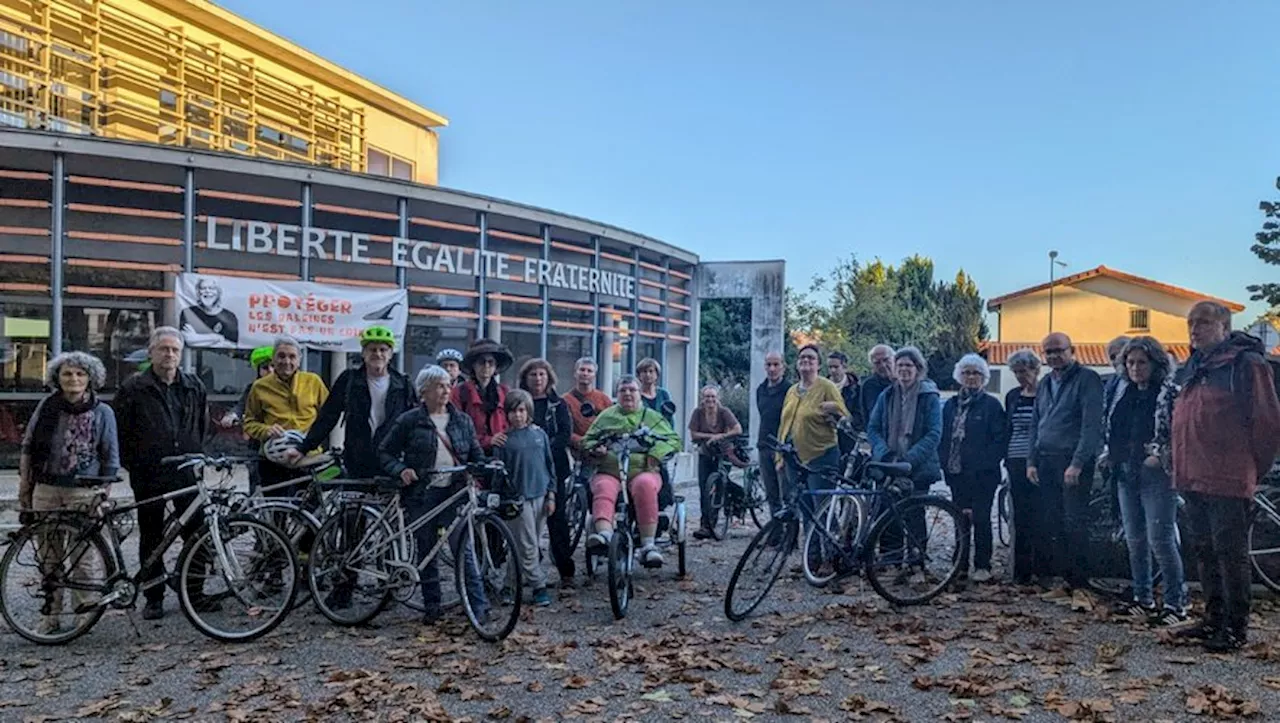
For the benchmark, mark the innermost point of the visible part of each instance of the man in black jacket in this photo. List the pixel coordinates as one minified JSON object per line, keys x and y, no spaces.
{"x":769,"y":397}
{"x":881,"y":358}
{"x":160,"y":412}
{"x":354,"y":394}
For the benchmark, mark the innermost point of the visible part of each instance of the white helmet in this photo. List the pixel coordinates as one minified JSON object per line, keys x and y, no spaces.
{"x":275,"y":449}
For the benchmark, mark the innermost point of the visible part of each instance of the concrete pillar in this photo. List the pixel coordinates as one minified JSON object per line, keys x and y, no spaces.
{"x":605,"y":376}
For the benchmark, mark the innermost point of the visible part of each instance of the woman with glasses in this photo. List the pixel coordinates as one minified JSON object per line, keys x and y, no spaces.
{"x":810,"y":411}
{"x":973,"y":443}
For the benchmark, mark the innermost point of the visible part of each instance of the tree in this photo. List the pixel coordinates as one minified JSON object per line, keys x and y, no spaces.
{"x":878,"y":303}
{"x":724,"y":342}
{"x":1267,"y":248}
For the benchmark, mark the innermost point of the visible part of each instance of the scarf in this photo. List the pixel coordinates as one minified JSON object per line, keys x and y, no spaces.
{"x":964,"y":400}
{"x":76,"y":443}
{"x":902,"y":417}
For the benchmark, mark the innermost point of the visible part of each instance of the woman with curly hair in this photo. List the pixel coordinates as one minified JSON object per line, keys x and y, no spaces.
{"x":71,"y":434}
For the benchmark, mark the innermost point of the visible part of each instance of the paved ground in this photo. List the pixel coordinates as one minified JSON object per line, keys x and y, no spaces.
{"x":990,"y":653}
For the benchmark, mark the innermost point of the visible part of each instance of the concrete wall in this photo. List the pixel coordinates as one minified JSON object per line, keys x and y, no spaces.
{"x":764,"y":282}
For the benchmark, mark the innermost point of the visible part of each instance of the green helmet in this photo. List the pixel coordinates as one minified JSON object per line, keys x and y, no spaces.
{"x":261,"y":355}
{"x":379,"y":334}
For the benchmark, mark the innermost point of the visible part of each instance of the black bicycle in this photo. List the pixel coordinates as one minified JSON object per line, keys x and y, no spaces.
{"x":735,"y":500}
{"x":913,"y":549}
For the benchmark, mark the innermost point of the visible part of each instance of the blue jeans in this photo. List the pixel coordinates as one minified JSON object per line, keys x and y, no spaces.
{"x":417,"y":501}
{"x":1149,"y":510}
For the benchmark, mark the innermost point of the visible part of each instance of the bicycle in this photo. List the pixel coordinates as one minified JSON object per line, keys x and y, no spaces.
{"x":1264,"y":537}
{"x":354,"y":573}
{"x":1004,"y":513}
{"x":80,"y":551}
{"x":577,"y":502}
{"x":889,"y":552}
{"x":733,"y":501}
{"x":620,"y":553}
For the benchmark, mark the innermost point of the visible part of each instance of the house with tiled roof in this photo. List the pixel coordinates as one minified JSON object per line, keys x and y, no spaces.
{"x":1092,"y":307}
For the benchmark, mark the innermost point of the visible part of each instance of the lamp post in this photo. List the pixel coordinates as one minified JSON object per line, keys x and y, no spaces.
{"x":1053,"y":264}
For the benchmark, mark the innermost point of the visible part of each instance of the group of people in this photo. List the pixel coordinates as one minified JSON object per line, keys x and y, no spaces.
{"x":1202,"y":435}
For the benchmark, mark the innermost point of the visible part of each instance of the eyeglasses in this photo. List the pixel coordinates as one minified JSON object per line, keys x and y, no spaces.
{"x":1055,"y":350}
{"x":970,"y":373}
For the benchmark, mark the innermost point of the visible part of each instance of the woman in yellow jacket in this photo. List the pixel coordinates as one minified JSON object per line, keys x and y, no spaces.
{"x":281,"y":407}
{"x":809,"y":412}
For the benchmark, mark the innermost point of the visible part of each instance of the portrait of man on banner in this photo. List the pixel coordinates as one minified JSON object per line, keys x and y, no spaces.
{"x":206,"y":323}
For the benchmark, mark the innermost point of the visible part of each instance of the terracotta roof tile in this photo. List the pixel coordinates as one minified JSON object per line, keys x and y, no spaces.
{"x":1074,"y":279}
{"x":1090,"y":355}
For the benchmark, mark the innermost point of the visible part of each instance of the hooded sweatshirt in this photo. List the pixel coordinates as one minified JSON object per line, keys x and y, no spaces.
{"x":1226,"y":421}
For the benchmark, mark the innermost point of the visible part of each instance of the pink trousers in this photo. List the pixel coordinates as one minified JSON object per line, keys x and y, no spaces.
{"x":644,"y":496}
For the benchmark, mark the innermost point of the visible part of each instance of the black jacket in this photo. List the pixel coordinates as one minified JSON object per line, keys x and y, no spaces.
{"x":1068,"y":417}
{"x":350,"y":397}
{"x":769,"y":401}
{"x":869,"y":392}
{"x":149,"y":432}
{"x":558,"y":424}
{"x":411,"y":442}
{"x":985,"y":435}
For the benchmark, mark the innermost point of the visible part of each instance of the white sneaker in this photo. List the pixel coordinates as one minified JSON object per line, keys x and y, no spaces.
{"x":650,"y":557}
{"x":982,"y":576}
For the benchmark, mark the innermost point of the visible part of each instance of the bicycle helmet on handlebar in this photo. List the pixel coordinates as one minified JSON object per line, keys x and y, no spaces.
{"x":275,"y":449}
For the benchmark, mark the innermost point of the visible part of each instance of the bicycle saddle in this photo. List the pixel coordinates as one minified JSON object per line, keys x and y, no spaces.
{"x":893,"y":469}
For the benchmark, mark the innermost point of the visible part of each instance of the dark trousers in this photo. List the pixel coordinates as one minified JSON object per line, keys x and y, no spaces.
{"x":1032,"y":545}
{"x":418,"y":501}
{"x":973,"y":493}
{"x":775,"y":482}
{"x":558,"y":531}
{"x":1066,"y":514}
{"x":1218,"y":533}
{"x":707,"y":467}
{"x":147,"y":485}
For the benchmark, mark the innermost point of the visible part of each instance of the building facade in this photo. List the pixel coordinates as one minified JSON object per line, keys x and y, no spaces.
{"x":188,"y":73}
{"x":95,"y":234}
{"x":1092,"y":307}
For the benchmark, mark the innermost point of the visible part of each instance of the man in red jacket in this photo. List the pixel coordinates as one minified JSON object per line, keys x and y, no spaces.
{"x":1226,"y":434}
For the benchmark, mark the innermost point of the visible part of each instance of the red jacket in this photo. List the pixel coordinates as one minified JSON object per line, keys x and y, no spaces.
{"x":1226,"y":421}
{"x":581,"y":424}
{"x":466,"y":397}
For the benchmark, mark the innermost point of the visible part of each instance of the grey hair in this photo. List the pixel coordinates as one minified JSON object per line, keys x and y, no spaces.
{"x":284,"y":340}
{"x":713,"y":387}
{"x":81,"y":360}
{"x":916,"y":357}
{"x":972,"y":361}
{"x":584,"y":360}
{"x":206,"y":281}
{"x":429,"y":374}
{"x":1024,"y":359}
{"x":1161,"y":367}
{"x":161,"y":332}
{"x":1216,"y":311}
{"x":625,"y":379}
{"x":879,"y":347}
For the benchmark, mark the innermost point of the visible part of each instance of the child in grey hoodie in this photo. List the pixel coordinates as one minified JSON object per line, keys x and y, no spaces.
{"x":527,"y":456}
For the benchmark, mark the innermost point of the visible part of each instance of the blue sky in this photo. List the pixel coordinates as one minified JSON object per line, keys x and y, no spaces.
{"x":1140,"y":135}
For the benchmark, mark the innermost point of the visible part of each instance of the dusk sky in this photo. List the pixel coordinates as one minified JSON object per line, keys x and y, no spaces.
{"x":1139,"y":135}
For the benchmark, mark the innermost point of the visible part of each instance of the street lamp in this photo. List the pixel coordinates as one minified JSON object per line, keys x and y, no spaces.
{"x":1053,"y":264}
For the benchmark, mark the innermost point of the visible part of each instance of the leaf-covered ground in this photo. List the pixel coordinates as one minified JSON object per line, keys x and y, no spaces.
{"x":985,"y":653}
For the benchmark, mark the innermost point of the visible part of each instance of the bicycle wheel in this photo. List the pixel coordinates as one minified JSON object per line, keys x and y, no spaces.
{"x":719,"y":496}
{"x":1108,"y":551}
{"x":576,"y":515}
{"x":38,"y":598}
{"x":908,"y":568}
{"x":239,"y":584}
{"x":1264,"y":544}
{"x":350,"y":568}
{"x":760,"y":567}
{"x":299,"y":527}
{"x":621,"y":556}
{"x":487,"y":577}
{"x":840,"y":517}
{"x":1004,"y":515}
{"x":753,"y":496}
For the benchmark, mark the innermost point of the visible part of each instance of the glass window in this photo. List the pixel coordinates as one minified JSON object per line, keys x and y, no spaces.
{"x":379,"y":163}
{"x":25,"y":330}
{"x":424,"y":341}
{"x":14,"y":416}
{"x":564,"y":349}
{"x":223,"y":371}
{"x":118,"y":337}
{"x":525,"y":344}
{"x":401,"y":169}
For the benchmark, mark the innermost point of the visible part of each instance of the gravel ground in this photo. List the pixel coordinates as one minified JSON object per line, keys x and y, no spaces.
{"x":986,"y":653}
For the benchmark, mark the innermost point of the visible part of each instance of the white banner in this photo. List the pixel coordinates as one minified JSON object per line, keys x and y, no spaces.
{"x":227,"y":312}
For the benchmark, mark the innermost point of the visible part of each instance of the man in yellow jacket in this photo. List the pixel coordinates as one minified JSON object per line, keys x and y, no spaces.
{"x":281,"y":407}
